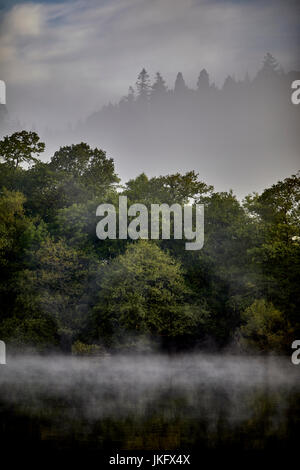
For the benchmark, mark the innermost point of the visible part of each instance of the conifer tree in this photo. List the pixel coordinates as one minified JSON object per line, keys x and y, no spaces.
{"x":203,"y":81}
{"x":180,"y":85}
{"x":270,"y":68}
{"x":159,"y":87}
{"x":143,"y":85}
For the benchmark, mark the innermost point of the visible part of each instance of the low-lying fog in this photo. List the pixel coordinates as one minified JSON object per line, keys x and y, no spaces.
{"x":117,"y":386}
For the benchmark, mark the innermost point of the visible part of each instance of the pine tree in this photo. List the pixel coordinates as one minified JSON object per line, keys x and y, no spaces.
{"x":180,"y":85}
{"x":270,"y":68}
{"x":229,"y":84}
{"x":159,"y":87}
{"x":143,"y":85}
{"x":270,"y":63}
{"x":203,"y":81}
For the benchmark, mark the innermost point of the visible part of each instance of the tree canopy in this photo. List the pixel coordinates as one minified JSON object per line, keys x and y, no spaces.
{"x":61,"y":285}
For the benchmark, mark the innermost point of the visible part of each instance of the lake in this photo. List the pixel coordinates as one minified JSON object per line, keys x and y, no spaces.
{"x":195,"y":403}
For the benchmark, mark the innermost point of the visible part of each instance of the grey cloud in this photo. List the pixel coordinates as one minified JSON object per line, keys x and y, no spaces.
{"x":100,"y":47}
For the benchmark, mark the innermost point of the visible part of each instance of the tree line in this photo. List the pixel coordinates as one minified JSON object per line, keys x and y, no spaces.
{"x":64,"y":289}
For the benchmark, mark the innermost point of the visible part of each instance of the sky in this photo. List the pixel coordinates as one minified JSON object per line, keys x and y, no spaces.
{"x":63,"y":60}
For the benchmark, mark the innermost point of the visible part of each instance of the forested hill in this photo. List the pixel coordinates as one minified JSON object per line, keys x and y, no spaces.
{"x":243,"y":134}
{"x":235,"y":135}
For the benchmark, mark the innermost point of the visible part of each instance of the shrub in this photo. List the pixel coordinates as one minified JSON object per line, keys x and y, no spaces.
{"x":264,"y":327}
{"x":82,"y":349}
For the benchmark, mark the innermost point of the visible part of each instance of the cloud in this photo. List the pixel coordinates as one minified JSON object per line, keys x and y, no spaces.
{"x":64,"y":60}
{"x":25,"y":20}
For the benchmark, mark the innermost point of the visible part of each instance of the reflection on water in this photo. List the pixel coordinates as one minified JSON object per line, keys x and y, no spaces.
{"x":155,"y":402}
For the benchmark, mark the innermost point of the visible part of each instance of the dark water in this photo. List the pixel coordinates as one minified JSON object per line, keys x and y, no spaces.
{"x":195,"y":403}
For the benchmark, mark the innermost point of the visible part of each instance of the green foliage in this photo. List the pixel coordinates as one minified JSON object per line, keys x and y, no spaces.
{"x":221,"y":273}
{"x":278,"y":209}
{"x":12,"y":223}
{"x":143,"y":291}
{"x":167,"y":189}
{"x":62,"y":278}
{"x":37,"y":332}
{"x":90,"y":165}
{"x":74,"y":175}
{"x":264,"y":327}
{"x":276,"y":255}
{"x":21,"y":147}
{"x":59,"y":283}
{"x":82,"y":349}
{"x":18,"y":234}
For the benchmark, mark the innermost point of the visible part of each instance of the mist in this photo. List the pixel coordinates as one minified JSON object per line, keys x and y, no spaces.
{"x":243,"y":136}
{"x":68,"y":65}
{"x":67,"y":395}
{"x":163,"y":87}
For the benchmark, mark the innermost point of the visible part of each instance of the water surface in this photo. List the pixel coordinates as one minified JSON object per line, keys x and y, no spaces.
{"x":193,"y":402}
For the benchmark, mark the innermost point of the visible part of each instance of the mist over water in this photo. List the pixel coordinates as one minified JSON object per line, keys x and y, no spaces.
{"x":155,"y":401}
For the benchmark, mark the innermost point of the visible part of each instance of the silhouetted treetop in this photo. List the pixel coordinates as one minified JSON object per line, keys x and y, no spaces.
{"x":270,"y":68}
{"x":159,"y":87}
{"x":229,"y":84}
{"x":143,"y":85}
{"x":203,"y":81}
{"x":180,"y":85}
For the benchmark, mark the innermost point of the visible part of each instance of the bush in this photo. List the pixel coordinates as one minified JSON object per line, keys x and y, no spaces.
{"x":82,"y":349}
{"x":36,"y":332}
{"x":264,"y":328}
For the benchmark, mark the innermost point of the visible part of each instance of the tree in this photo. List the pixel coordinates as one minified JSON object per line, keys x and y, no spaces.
{"x":169,"y":189}
{"x":21,"y":147}
{"x":143,"y":291}
{"x":75,"y":174}
{"x":81,"y":161}
{"x":270,"y":67}
{"x":46,"y":191}
{"x":77,"y":224}
{"x":62,"y":278}
{"x":276,"y":213}
{"x":264,"y":327}
{"x":35,"y":331}
{"x":182,"y":188}
{"x":159,"y":87}
{"x":143,"y":86}
{"x":11,"y":212}
{"x":180,"y":85}
{"x":278,"y":207}
{"x":18,"y":234}
{"x":203,"y":81}
{"x":17,"y":231}
{"x":229,"y":84}
{"x":221,"y":272}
